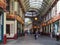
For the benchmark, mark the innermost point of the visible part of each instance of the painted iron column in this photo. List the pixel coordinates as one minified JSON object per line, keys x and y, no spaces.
{"x":4,"y":28}
{"x":15,"y":36}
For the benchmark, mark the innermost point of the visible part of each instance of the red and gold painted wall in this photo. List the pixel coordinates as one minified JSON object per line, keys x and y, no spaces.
{"x":18,"y":18}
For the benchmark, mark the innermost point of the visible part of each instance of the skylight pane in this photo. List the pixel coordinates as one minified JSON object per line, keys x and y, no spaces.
{"x":35,"y":3}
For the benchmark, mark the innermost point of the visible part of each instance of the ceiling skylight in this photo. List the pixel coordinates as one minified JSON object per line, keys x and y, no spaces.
{"x":35,"y":3}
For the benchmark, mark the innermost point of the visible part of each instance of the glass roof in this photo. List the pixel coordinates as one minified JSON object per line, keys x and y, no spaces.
{"x":35,"y":3}
{"x":39,"y":6}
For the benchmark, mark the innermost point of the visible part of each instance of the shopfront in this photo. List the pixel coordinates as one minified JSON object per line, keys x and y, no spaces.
{"x":56,"y":26}
{"x":11,"y":29}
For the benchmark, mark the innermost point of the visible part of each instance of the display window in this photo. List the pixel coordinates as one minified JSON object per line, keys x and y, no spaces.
{"x":56,"y":26}
{"x":1,"y":26}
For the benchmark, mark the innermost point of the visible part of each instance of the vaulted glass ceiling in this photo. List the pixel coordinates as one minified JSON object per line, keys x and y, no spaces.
{"x":40,"y":6}
{"x":35,"y":3}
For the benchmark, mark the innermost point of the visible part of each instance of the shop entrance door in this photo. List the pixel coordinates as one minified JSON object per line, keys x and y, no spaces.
{"x":8,"y":29}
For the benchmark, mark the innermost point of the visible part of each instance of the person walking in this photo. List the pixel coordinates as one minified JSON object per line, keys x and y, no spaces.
{"x":53,"y":34}
{"x":57,"y":36}
{"x":36,"y":34}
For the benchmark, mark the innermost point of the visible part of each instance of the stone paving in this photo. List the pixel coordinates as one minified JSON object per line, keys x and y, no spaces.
{"x":29,"y":40}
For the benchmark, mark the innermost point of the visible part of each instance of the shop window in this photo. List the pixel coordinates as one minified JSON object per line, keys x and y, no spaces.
{"x":58,"y":6}
{"x":8,"y":6}
{"x":8,"y":28}
{"x":50,"y":28}
{"x":47,"y":29}
{"x":56,"y":26}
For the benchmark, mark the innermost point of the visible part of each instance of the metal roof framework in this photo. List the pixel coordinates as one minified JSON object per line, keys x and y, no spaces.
{"x":39,"y":6}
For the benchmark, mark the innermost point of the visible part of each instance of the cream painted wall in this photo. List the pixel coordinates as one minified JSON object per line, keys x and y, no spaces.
{"x":16,"y":6}
{"x":20,"y":12}
{"x":58,"y":7}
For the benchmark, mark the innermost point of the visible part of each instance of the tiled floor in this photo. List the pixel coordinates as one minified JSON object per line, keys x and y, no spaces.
{"x":29,"y":40}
